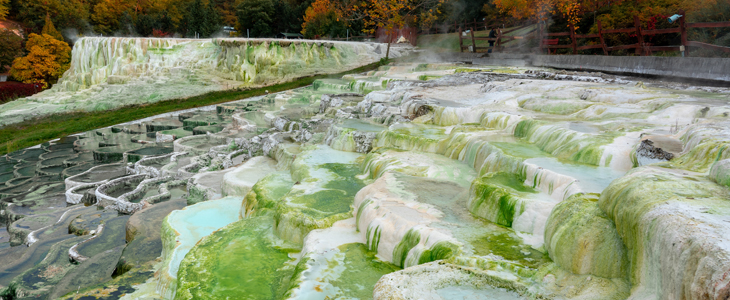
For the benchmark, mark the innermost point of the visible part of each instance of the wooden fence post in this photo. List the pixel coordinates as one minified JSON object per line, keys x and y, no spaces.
{"x":461,"y":43}
{"x":683,"y":32}
{"x":539,"y":35}
{"x":498,"y":42}
{"x":640,"y":48}
{"x":473,"y":42}
{"x":600,"y":37}
{"x":572,"y":40}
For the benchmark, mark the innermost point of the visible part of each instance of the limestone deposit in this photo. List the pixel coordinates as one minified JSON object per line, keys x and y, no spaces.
{"x":108,"y":73}
{"x":478,"y":183}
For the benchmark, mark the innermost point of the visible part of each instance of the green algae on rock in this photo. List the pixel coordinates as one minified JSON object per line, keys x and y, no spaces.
{"x":476,"y":183}
{"x":321,"y":195}
{"x":668,"y":220}
{"x":243,"y":260}
{"x":494,"y":197}
{"x":182,"y":229}
{"x":583,"y":240}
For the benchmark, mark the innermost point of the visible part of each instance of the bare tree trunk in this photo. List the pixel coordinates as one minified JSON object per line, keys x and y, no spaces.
{"x":387,"y":52}
{"x":390,"y":38}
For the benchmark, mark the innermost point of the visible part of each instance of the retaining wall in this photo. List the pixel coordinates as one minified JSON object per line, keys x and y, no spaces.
{"x":692,"y":69}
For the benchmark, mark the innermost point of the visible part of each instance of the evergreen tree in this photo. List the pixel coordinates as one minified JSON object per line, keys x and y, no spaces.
{"x":193,"y":18}
{"x":202,"y":19}
{"x":258,"y":16}
{"x":145,"y":24}
{"x":66,"y":13}
{"x":165,"y":23}
{"x":126,"y":24}
{"x":49,"y":29}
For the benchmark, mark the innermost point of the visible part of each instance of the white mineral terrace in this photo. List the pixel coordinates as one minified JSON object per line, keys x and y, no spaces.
{"x":413,"y":181}
{"x":108,"y":73}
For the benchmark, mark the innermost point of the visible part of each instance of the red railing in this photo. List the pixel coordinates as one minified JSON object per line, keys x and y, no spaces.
{"x":642,"y":47}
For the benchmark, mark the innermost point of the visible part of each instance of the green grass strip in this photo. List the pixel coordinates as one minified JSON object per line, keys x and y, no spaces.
{"x":43,"y":129}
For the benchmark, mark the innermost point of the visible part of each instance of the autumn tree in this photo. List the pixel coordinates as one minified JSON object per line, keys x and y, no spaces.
{"x":107,"y":14}
{"x":168,"y":14}
{"x":394,"y":14}
{"x":227,"y":11}
{"x":536,"y":10}
{"x":710,"y":11}
{"x":541,"y":10}
{"x":323,"y":18}
{"x":46,"y":61}
{"x":4,"y":8}
{"x":492,"y":13}
{"x":49,"y":29}
{"x":11,"y":46}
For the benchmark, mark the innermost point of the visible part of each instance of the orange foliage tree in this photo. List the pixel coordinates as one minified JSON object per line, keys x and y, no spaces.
{"x":540,"y":10}
{"x":107,"y":13}
{"x":46,"y":61}
{"x":4,"y":8}
{"x":49,"y":29}
{"x":394,"y":14}
{"x":321,"y":18}
{"x":537,"y":10}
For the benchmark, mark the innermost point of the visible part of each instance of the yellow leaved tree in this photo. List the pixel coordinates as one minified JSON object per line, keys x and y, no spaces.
{"x":46,"y":61}
{"x":322,"y":18}
{"x":541,"y":10}
{"x":107,"y":14}
{"x":49,"y":29}
{"x":4,"y":8}
{"x":394,"y":14}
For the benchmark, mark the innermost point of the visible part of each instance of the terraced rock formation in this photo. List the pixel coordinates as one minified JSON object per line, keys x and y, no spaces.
{"x":108,"y":73}
{"x":478,"y":183}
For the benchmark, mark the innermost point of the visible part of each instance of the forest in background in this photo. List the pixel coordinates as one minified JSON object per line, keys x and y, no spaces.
{"x":332,"y":18}
{"x":36,"y":56}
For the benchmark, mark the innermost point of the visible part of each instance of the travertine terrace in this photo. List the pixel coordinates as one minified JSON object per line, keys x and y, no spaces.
{"x":414,"y":181}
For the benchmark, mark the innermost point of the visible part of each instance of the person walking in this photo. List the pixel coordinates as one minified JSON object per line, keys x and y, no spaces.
{"x":492,"y":34}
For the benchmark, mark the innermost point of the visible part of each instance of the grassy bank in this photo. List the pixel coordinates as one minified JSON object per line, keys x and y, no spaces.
{"x":33,"y":132}
{"x":449,"y":42}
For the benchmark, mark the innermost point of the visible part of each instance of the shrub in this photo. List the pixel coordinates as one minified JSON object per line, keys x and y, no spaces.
{"x":12,"y":90}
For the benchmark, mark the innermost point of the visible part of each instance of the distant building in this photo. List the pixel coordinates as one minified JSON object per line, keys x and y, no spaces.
{"x":289,"y":36}
{"x":229,"y":29}
{"x":4,"y":77}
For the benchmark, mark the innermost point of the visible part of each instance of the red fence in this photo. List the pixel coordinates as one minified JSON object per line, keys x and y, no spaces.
{"x":642,"y":47}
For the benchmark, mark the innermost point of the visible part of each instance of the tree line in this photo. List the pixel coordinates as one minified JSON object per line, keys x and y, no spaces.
{"x":38,"y":56}
{"x":182,"y":18}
